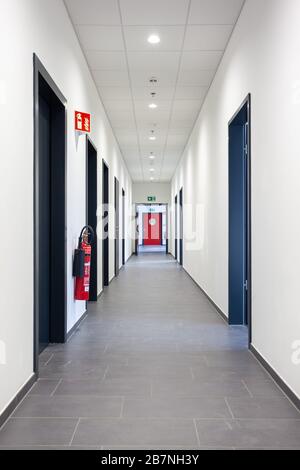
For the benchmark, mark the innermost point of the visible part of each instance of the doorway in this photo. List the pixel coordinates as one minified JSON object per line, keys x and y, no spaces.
{"x":105,"y":223}
{"x":49,"y":212}
{"x":117,"y":227}
{"x":176,"y":228}
{"x":181,"y":227}
{"x":123,"y":227}
{"x":240,"y":217}
{"x":91,"y":211}
{"x":151,"y":228}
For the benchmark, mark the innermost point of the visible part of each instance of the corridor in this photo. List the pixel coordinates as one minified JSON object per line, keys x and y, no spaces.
{"x":153,"y":366}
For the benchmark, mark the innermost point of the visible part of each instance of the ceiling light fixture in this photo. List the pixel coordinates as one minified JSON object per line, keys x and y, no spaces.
{"x":154,"y":39}
{"x":152,"y":170}
{"x":151,"y":179}
{"x":152,"y":136}
{"x":152,"y":106}
{"x":152,"y":157}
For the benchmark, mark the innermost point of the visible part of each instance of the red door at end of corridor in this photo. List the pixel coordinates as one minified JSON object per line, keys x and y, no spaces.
{"x":152,"y":229}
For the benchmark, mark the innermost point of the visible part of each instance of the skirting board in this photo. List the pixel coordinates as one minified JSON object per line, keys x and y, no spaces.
{"x":222,"y":314}
{"x":284,"y":387}
{"x":17,"y":400}
{"x":74,"y":327}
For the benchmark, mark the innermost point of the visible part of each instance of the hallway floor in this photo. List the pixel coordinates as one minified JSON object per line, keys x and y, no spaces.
{"x":153,"y":366}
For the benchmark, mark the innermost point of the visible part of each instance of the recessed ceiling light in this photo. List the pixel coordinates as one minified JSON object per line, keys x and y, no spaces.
{"x":152,"y":169}
{"x":154,"y":39}
{"x":151,"y":179}
{"x":152,"y":106}
{"x":152,"y":157}
{"x":152,"y":137}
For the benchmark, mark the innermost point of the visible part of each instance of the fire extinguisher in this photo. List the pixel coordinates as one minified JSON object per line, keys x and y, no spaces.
{"x":82,"y":263}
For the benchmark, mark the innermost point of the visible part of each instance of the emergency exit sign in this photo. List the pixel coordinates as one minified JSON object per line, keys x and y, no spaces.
{"x":151,"y":198}
{"x":82,"y":122}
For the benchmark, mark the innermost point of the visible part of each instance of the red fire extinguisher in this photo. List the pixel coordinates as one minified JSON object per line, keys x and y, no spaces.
{"x":82,"y":264}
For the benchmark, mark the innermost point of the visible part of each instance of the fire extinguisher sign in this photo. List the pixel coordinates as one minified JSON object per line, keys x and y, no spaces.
{"x":82,"y":122}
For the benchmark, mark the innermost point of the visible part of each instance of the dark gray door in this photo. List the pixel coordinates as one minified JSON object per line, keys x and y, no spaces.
{"x":45,"y":224}
{"x":91,"y":200}
{"x":239,"y":218}
{"x":117,"y":227}
{"x":176,"y":228}
{"x":123,"y":227}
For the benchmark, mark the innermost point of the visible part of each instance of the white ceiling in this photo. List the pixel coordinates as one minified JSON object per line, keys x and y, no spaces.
{"x":113,"y":35}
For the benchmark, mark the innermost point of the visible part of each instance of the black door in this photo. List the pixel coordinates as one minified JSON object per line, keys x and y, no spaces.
{"x":91,"y":201}
{"x":239,"y":217}
{"x":45,"y":224}
{"x":181,"y":227}
{"x":105,"y":224}
{"x":117,"y":227}
{"x":123,"y":227}
{"x":49,"y":212}
{"x":176,"y":228}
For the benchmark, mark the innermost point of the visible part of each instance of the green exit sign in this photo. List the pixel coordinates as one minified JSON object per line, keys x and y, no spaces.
{"x":151,"y":198}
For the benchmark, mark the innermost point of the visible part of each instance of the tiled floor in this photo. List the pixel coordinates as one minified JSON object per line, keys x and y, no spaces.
{"x":153,"y":366}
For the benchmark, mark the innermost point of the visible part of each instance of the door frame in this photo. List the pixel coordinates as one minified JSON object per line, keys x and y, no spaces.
{"x":105,"y":241}
{"x":39,"y":71}
{"x":90,"y":142}
{"x":117,"y":225}
{"x":176,"y":227}
{"x":181,"y":227}
{"x":247,"y":101}
{"x":123,"y":226}
{"x":137,"y":204}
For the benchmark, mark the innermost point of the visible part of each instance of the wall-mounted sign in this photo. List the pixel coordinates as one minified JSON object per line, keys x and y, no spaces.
{"x":82,"y":122}
{"x":151,"y":198}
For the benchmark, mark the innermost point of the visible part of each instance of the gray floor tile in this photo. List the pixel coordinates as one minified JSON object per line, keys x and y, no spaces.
{"x":170,"y":407}
{"x":251,"y":434}
{"x":136,"y":432}
{"x":44,"y":387}
{"x":262,"y":407}
{"x":199,"y":388}
{"x":146,"y":365}
{"x":37,"y":431}
{"x":69,"y":407}
{"x":111,"y":387}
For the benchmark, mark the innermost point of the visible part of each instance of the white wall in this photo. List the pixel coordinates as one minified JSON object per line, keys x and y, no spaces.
{"x":262,"y":58}
{"x":43,"y":27}
{"x":141,"y":191}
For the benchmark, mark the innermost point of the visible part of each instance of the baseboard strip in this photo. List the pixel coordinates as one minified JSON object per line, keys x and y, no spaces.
{"x":281,"y":384}
{"x":17,"y":400}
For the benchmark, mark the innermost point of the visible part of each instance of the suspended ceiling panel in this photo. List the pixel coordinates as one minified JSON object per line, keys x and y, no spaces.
{"x":114,"y":38}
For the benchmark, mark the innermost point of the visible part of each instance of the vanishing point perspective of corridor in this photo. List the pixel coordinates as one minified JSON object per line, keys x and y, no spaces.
{"x":147,"y":369}
{"x":149,"y":212}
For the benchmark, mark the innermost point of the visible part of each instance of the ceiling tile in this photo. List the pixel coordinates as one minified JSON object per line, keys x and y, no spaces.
{"x":158,"y":12}
{"x":207,"y":37}
{"x":171,"y":38}
{"x":143,"y":105}
{"x":140,"y":77}
{"x":118,"y":105}
{"x":111,"y":78}
{"x":162,"y":93}
{"x":101,"y":38}
{"x":191,"y":93}
{"x":154,"y":62}
{"x":94,"y":12}
{"x":115,"y":93}
{"x":201,"y":60}
{"x":103,"y":60}
{"x":186,"y":105}
{"x":215,"y":11}
{"x":199,"y":78}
